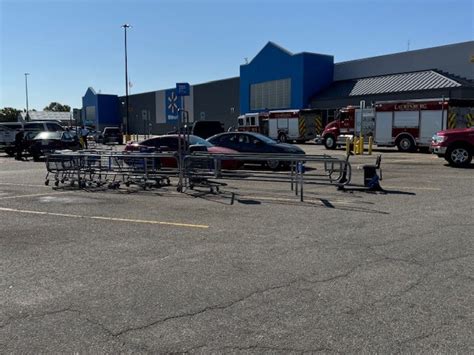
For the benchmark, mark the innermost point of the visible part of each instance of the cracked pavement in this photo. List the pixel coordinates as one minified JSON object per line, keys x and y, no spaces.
{"x":361,"y":272}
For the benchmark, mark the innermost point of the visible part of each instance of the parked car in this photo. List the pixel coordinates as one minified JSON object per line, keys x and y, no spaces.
{"x":454,"y":145}
{"x":251,"y":142}
{"x":169,"y":143}
{"x":48,"y":142}
{"x":111,"y":135}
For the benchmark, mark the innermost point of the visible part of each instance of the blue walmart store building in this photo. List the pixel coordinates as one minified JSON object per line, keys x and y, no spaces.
{"x":278,"y":79}
{"x":100,"y":110}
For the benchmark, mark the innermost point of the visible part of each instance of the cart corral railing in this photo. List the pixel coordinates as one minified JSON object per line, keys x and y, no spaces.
{"x":199,"y":169}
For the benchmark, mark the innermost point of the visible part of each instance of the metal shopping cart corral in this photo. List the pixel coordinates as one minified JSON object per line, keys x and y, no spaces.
{"x":323,"y":169}
{"x":200,"y":171}
{"x":147,"y":170}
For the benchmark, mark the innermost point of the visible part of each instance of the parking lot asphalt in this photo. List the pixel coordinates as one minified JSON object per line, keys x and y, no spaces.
{"x":160,"y":271}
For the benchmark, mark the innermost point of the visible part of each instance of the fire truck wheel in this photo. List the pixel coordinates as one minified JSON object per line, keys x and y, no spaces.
{"x":405,"y":144}
{"x":330,"y":142}
{"x":458,"y":155}
{"x":282,"y":137}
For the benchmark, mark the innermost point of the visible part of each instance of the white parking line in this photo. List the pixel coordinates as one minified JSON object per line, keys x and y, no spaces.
{"x":26,"y":185}
{"x":175,"y":224}
{"x":30,"y":195}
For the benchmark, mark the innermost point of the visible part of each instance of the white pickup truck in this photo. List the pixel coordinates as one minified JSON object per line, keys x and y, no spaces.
{"x":8,"y":132}
{"x":7,"y":136}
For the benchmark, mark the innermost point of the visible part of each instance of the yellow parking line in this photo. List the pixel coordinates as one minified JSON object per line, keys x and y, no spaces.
{"x":175,"y":224}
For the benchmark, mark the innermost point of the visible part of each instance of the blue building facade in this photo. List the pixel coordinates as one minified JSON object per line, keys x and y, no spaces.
{"x":100,"y":110}
{"x":279,"y":79}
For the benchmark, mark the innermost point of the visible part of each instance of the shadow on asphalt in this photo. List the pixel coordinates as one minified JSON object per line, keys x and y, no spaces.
{"x":227,"y":199}
{"x":376,"y":192}
{"x":383,"y":150}
{"x":395,"y":192}
{"x":470,"y":166}
{"x":249,"y":202}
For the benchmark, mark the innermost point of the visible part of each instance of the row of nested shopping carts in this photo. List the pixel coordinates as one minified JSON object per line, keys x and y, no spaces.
{"x":104,"y":168}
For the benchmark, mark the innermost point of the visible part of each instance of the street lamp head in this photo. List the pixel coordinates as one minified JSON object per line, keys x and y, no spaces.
{"x":126,"y":25}
{"x":27,"y":73}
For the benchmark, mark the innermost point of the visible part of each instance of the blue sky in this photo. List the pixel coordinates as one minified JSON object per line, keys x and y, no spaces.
{"x":69,"y":45}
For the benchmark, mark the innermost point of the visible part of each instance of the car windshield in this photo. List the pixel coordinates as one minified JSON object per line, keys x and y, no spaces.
{"x":171,"y":140}
{"x":112,"y":130}
{"x":195,"y":140}
{"x":48,"y":135}
{"x":10,"y":125}
{"x":264,"y":138}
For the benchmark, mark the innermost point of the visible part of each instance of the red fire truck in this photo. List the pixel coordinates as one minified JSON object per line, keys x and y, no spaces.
{"x":407,"y":125}
{"x":284,"y":125}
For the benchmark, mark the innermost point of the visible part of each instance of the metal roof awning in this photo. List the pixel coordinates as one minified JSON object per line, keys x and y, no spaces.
{"x":392,"y":83}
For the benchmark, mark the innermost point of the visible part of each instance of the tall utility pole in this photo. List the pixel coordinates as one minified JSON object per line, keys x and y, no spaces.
{"x":127,"y":131}
{"x":26,"y":89}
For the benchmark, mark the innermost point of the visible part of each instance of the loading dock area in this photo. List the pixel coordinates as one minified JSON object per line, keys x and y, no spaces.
{"x":162,"y":271}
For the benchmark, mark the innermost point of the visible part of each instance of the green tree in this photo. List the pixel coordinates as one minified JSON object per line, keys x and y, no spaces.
{"x":9,"y":114}
{"x":57,"y":107}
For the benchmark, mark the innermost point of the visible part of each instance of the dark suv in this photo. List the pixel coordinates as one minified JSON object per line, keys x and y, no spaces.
{"x":112,"y":135}
{"x":47,"y":142}
{"x":206,"y":129}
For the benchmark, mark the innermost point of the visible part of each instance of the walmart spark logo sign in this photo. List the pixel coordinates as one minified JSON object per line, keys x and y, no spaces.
{"x":172,"y":105}
{"x":174,"y":101}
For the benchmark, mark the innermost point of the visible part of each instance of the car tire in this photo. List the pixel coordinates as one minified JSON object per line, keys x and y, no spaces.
{"x":282,"y":137}
{"x":406,"y":144}
{"x":272,"y":164}
{"x":458,"y":155}
{"x":10,"y":152}
{"x":330,"y":142}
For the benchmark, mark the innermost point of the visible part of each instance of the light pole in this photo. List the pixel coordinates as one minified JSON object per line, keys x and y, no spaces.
{"x":26,"y":89}
{"x":127,"y":131}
